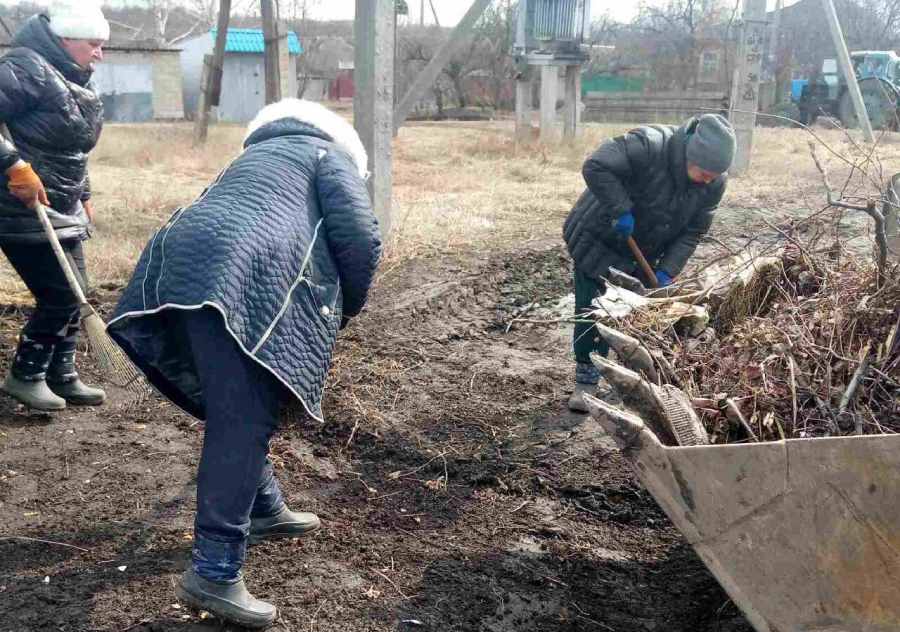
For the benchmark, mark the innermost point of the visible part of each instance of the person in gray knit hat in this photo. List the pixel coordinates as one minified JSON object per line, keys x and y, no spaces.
{"x":659,"y":184}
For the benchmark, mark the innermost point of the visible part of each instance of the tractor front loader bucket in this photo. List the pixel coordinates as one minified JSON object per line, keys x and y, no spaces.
{"x":804,"y":535}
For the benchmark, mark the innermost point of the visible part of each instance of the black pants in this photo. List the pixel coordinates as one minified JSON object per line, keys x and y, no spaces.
{"x":235,"y":480}
{"x":56,"y":314}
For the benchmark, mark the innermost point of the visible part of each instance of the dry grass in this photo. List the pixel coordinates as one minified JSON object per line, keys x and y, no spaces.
{"x":458,"y":186}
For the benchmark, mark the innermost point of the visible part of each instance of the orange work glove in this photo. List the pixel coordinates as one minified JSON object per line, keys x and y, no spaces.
{"x":26,"y":185}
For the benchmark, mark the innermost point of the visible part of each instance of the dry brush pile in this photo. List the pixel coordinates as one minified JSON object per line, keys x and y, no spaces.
{"x":808,"y":348}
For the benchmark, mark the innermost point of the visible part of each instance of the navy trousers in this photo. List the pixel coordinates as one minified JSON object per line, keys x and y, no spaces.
{"x":235,"y":480}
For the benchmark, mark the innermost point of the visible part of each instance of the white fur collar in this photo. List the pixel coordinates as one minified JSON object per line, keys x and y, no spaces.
{"x":320,"y":117}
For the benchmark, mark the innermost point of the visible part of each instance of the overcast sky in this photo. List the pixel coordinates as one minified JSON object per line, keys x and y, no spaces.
{"x":449,"y":11}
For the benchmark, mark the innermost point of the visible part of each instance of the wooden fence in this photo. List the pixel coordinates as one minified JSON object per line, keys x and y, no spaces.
{"x":643,"y":108}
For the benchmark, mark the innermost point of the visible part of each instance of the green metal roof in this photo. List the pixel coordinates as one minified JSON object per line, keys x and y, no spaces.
{"x":252,"y":41}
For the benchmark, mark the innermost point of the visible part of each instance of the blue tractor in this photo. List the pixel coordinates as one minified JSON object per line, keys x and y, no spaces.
{"x":878,"y":74}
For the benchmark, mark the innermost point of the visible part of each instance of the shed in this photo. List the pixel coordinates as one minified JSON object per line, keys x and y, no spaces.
{"x":243,"y":73}
{"x":140,"y":83}
{"x":137,"y":80}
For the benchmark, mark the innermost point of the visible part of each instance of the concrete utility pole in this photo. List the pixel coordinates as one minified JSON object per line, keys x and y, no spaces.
{"x":373,"y":103}
{"x":745,"y":92}
{"x":524,"y":96}
{"x":272,"y":51}
{"x":430,"y":73}
{"x":211,"y":80}
{"x":549,"y":94}
{"x":847,"y":70}
{"x":572,"y":101}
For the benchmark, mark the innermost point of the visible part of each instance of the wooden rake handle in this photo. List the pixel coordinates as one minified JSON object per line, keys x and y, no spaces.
{"x":61,"y":257}
{"x":642,"y":261}
{"x":50,"y":232}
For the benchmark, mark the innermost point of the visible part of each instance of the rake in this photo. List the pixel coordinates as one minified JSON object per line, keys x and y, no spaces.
{"x":113,"y":362}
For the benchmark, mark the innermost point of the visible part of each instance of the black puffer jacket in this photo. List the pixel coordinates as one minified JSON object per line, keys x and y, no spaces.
{"x":54,"y":117}
{"x":644,"y":171}
{"x":283,"y":245}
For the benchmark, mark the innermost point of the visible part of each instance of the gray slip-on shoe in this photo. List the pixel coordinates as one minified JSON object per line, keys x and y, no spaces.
{"x":229,"y":602}
{"x":286,"y":524}
{"x":603,"y":391}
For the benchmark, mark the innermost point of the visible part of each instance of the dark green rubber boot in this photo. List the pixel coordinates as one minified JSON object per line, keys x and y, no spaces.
{"x":63,"y":380}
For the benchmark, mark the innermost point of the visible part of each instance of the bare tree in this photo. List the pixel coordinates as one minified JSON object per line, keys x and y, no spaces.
{"x":198,"y":13}
{"x":673,"y":32}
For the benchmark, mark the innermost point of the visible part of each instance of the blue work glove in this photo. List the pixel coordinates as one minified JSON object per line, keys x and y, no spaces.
{"x":663,"y":278}
{"x":624,"y":225}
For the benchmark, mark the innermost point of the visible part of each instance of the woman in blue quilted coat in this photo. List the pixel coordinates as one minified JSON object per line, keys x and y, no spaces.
{"x":233,"y":310}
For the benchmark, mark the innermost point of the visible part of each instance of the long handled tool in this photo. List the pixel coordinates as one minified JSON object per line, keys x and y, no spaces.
{"x":116,"y":366}
{"x":642,"y":261}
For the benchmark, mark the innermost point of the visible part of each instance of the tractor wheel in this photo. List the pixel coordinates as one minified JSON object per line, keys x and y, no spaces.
{"x":881,"y":104}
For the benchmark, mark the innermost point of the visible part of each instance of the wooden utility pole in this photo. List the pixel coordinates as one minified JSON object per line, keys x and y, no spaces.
{"x":745,"y":90}
{"x":437,"y":22}
{"x":373,"y":103}
{"x":422,"y":13}
{"x":847,"y":70}
{"x":430,"y":73}
{"x":272,"y":54}
{"x":211,"y":79}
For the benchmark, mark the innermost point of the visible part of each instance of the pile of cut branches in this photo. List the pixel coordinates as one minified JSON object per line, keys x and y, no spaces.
{"x":806,"y":346}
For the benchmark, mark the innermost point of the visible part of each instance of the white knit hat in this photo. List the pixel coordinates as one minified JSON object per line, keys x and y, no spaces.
{"x":78,"y":19}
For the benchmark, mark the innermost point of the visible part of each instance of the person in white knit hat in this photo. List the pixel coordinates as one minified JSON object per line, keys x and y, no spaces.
{"x":53,"y":117}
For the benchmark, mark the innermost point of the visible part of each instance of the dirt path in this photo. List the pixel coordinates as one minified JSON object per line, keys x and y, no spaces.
{"x":456,"y":491}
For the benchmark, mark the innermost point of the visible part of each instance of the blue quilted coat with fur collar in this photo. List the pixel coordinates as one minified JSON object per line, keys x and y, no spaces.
{"x":284,"y":244}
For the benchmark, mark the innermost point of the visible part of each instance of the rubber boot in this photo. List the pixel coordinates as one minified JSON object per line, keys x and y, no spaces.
{"x":285,"y":524}
{"x":26,"y":381}
{"x":229,"y":601}
{"x":63,"y":380}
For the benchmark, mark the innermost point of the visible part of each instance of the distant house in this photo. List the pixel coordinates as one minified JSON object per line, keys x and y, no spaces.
{"x":137,"y":80}
{"x":243,"y":75}
{"x":326,"y":71}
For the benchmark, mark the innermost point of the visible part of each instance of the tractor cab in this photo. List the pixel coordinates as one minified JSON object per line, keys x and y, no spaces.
{"x":884,"y":65}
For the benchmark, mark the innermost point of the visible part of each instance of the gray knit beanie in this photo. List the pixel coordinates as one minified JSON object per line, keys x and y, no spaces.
{"x":711,"y":146}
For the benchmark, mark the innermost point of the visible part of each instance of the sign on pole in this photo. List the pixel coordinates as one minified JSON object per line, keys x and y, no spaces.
{"x":745,"y":92}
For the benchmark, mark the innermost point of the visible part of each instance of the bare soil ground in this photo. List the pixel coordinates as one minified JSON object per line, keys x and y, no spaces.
{"x":457,"y":492}
{"x":455,"y":489}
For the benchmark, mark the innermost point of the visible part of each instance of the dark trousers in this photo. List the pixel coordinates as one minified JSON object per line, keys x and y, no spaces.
{"x":56,"y":313}
{"x":586,"y":339}
{"x":235,"y":480}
